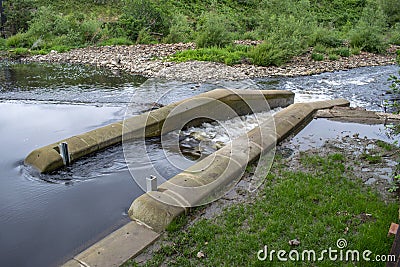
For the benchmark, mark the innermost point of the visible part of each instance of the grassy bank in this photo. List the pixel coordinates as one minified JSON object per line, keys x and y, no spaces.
{"x":317,"y":206}
{"x":288,"y":27}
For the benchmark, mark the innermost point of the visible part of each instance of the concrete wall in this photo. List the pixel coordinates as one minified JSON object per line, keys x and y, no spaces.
{"x":153,"y":123}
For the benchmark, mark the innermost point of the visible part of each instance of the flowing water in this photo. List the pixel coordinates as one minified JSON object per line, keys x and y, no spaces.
{"x":46,"y":219}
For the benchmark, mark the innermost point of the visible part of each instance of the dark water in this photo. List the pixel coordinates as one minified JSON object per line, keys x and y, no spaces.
{"x":46,"y":219}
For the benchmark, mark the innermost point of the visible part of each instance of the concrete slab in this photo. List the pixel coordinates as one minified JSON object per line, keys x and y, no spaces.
{"x":116,"y":248}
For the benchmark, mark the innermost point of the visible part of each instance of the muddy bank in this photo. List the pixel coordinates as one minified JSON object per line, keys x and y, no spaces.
{"x":149,"y":61}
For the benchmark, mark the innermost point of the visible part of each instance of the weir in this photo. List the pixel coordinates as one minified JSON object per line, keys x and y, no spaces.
{"x":152,"y":123}
{"x":153,"y":211}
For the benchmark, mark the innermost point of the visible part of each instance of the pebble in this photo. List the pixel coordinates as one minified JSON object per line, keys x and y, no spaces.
{"x":147,"y":60}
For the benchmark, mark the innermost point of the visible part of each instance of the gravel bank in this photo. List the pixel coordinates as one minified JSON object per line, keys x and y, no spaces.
{"x":148,"y":60}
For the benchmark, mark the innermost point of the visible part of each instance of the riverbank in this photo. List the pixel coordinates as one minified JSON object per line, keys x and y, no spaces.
{"x":151,"y":61}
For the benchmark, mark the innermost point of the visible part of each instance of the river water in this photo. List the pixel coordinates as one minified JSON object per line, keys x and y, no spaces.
{"x":46,"y":219}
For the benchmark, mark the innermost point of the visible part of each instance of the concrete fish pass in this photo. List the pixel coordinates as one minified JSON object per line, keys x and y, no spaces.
{"x":150,"y":124}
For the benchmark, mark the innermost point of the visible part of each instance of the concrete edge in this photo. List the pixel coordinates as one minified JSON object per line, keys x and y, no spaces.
{"x":152,"y":208}
{"x":149,"y":124}
{"x":116,"y":248}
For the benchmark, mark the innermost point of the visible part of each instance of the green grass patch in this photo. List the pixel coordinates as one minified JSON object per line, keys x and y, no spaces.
{"x":20,"y":51}
{"x":317,"y":56}
{"x":343,"y":52}
{"x":385,"y":145}
{"x":372,"y":159}
{"x":317,"y":206}
{"x":320,"y":49}
{"x":117,"y":41}
{"x":333,"y":57}
{"x":229,"y":55}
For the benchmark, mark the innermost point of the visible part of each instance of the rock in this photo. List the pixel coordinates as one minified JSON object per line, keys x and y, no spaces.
{"x":147,"y":60}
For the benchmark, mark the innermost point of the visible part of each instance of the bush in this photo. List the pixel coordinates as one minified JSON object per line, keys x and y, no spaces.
{"x":317,"y":56}
{"x":319,"y":48}
{"x":2,"y":43}
{"x":21,"y":51}
{"x":19,"y":40}
{"x":333,"y":57}
{"x":368,"y":32}
{"x":395,"y":35}
{"x":325,"y":37}
{"x":343,"y":52}
{"x":142,"y":15}
{"x":355,"y":50}
{"x":145,"y":37}
{"x":70,"y":30}
{"x":18,"y":13}
{"x":288,"y":36}
{"x":267,"y":54}
{"x":180,"y":30}
{"x":214,"y":30}
{"x":391,"y":8}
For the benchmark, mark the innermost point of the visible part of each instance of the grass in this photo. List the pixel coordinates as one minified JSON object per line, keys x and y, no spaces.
{"x":385,"y":145}
{"x":372,"y":159}
{"x":317,"y":56}
{"x":317,"y":206}
{"x":229,"y":55}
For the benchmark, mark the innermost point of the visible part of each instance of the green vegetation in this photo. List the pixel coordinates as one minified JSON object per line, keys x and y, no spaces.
{"x":317,"y":56}
{"x":372,"y":159}
{"x":289,"y":28}
{"x":230,"y":55}
{"x":318,"y":206}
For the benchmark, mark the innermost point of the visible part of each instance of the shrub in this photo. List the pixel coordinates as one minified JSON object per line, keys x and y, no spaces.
{"x":391,"y":8}
{"x":319,"y":48}
{"x":2,"y":43}
{"x":333,"y":57}
{"x":368,"y":32}
{"x":180,"y":30}
{"x":145,"y":37}
{"x":90,"y":29}
{"x":355,"y":50}
{"x":139,"y":15}
{"x":395,"y":35}
{"x":214,"y":30}
{"x":325,"y":37}
{"x":343,"y":52}
{"x":251,"y":35}
{"x":21,"y":51}
{"x":287,"y":37}
{"x":267,"y":54}
{"x":19,"y":40}
{"x":18,"y":13}
{"x":317,"y":56}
